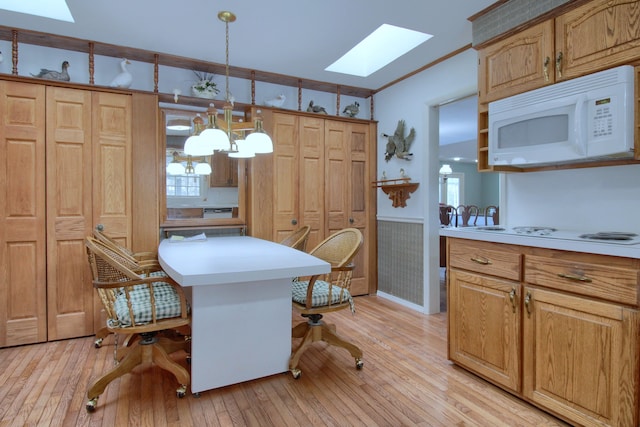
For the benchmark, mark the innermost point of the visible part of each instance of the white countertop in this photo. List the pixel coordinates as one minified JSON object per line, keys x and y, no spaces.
{"x":587,"y":246}
{"x":234,"y":259}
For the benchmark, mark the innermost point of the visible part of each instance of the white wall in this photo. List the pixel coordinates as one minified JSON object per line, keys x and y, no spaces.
{"x":413,"y":100}
{"x":590,"y":199}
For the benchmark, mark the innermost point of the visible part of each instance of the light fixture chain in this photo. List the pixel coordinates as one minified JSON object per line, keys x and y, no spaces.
{"x":227,"y":60}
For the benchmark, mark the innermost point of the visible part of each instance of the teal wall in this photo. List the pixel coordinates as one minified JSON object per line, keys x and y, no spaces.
{"x":480,"y":189}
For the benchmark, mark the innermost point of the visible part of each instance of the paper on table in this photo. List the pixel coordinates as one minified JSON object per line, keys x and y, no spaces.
{"x":197,"y":238}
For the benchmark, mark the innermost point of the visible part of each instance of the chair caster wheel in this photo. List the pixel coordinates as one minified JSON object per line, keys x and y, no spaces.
{"x":98,"y":343}
{"x":181,"y":391}
{"x":359,"y":364}
{"x":91,"y":404}
{"x":296,"y":373}
{"x":197,"y":394}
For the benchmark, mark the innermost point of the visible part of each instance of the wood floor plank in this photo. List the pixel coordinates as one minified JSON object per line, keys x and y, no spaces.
{"x":406,"y":380}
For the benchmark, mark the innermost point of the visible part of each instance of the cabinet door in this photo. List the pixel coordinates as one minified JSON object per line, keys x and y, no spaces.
{"x":69,"y":170}
{"x":285,"y":183}
{"x":517,"y":64}
{"x":598,"y":35}
{"x":580,"y":358}
{"x":22,"y":214}
{"x":484,"y":326}
{"x":311,"y":178}
{"x":112,"y":169}
{"x":347,"y":184}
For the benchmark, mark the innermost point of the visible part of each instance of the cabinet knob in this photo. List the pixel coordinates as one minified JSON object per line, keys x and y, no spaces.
{"x":351,"y":220}
{"x":294,"y":221}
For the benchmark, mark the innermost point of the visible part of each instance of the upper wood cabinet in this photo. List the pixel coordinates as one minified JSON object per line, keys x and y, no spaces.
{"x":597,"y":35}
{"x":519,"y":63}
{"x":319,"y":175}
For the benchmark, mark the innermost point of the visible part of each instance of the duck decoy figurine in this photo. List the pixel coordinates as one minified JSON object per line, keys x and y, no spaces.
{"x":54,"y":75}
{"x":124,"y":79}
{"x":351,"y":110}
{"x":278,"y":101}
{"x":315,"y":108}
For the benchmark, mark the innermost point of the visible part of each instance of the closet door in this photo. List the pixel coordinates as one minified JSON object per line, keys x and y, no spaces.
{"x":347,"y":189}
{"x":286,"y":216}
{"x":69,"y":214}
{"x":112,"y":187}
{"x":22,"y":214}
{"x":311,"y":178}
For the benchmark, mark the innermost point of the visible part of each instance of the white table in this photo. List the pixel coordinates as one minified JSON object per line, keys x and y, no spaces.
{"x":241,"y":304}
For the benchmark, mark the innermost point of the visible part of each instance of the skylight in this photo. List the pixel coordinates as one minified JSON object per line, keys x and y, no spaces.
{"x":54,"y":9}
{"x":383,"y":46}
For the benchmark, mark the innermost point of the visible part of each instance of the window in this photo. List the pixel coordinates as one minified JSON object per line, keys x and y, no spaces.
{"x":184,"y":185}
{"x":452,"y":189}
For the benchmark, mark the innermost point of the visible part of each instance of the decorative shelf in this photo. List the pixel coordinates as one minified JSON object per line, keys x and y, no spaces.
{"x":398,"y":190}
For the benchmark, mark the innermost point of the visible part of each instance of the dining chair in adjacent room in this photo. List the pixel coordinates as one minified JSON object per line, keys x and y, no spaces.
{"x":298,"y":238}
{"x":493,"y":213}
{"x":325,"y":293}
{"x":153,"y":308}
{"x":448,"y":216}
{"x":468,"y":214}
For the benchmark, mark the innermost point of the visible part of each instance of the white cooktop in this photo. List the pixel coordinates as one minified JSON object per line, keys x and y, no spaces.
{"x":625,"y":243}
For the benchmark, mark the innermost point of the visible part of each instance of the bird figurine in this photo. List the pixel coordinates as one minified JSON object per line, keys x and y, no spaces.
{"x":351,"y":110}
{"x":315,"y":108}
{"x":54,"y":75}
{"x":124,"y":79}
{"x":278,"y":101}
{"x":398,"y":144}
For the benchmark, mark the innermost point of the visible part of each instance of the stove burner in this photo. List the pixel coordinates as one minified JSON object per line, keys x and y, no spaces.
{"x":491,"y":228}
{"x":536,"y":231}
{"x":609,"y":235}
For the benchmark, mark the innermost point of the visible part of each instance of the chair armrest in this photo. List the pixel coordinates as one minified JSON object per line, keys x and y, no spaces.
{"x":312,"y":280}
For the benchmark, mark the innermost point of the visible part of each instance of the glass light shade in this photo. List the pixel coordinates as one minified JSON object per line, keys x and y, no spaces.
{"x":198,"y":146}
{"x":203,"y":168}
{"x":244,"y":152}
{"x":217,"y":139}
{"x":260,"y":142}
{"x":175,"y":168}
{"x":445,"y":170}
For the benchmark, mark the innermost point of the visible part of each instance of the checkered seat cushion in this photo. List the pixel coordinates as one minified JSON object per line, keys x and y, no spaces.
{"x":320,"y":296}
{"x":167,"y":302}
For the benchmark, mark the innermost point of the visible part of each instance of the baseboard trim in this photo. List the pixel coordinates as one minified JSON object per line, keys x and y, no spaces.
{"x":402,"y":302}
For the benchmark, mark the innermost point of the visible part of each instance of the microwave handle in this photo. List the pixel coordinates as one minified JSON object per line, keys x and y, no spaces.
{"x":579,"y":122}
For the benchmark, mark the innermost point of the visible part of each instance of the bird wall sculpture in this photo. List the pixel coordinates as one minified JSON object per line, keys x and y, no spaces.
{"x":315,"y":108}
{"x":351,"y":110}
{"x":398,"y":144}
{"x":124,"y":78}
{"x":62,"y":75}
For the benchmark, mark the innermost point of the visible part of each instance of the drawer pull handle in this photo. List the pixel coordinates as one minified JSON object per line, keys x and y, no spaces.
{"x":574,"y":277}
{"x":527,"y":303}
{"x":481,"y":260}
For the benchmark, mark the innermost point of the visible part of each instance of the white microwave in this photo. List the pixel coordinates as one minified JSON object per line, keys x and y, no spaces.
{"x":587,"y":118}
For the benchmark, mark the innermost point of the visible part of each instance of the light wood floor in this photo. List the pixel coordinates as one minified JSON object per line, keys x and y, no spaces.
{"x":406,"y":381}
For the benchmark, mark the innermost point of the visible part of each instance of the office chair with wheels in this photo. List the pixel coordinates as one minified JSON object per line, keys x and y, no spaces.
{"x":298,"y":238}
{"x":326,"y":293}
{"x":150,"y":307}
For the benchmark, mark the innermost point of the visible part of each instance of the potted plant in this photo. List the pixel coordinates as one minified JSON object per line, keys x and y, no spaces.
{"x":204,"y":87}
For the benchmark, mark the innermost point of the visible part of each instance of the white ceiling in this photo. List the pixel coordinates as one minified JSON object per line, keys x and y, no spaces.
{"x":290,"y":37}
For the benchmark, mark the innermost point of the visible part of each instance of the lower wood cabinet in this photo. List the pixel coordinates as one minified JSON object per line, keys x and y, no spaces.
{"x":562,"y":335}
